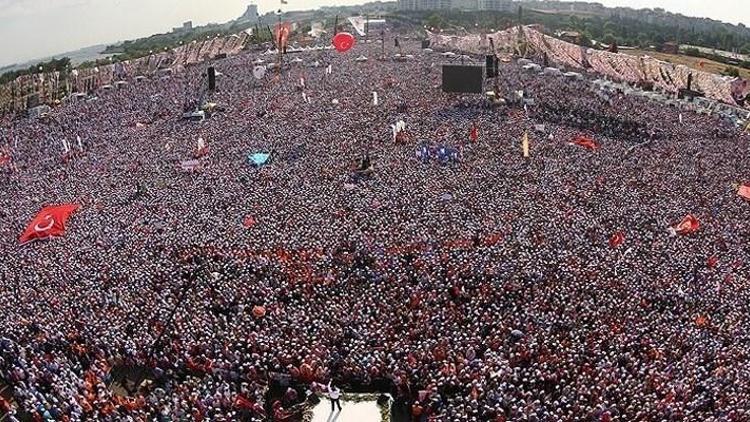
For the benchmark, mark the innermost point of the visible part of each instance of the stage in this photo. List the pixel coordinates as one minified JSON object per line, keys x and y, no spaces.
{"x":354,"y":407}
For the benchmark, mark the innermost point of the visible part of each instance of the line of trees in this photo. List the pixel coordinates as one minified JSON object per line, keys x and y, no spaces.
{"x":613,"y":30}
{"x":60,"y":65}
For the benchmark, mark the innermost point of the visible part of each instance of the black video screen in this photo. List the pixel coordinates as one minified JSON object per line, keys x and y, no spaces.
{"x":463,"y":79}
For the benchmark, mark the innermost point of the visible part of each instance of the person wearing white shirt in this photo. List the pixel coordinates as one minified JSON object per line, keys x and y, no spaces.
{"x":334,"y":394}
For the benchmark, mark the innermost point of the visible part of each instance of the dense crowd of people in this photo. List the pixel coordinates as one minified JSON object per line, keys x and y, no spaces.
{"x":482,"y":290}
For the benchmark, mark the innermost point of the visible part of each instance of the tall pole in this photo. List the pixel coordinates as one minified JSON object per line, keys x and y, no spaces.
{"x":280,"y":46}
{"x":382,"y":42}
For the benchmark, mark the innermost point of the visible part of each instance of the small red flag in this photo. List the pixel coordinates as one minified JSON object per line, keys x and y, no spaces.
{"x":248,"y":222}
{"x":259,"y":311}
{"x":701,"y":320}
{"x":493,"y":239}
{"x":712,"y":261}
{"x":586,"y":142}
{"x":688,"y":225}
{"x":743,"y":191}
{"x":474,"y":134}
{"x":617,"y":239}
{"x":50,"y":222}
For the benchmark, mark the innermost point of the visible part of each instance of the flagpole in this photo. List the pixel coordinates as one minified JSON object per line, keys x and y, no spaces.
{"x":382,"y":43}
{"x":281,"y":51}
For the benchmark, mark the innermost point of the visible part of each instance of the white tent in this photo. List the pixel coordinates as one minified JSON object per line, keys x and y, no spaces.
{"x":532,"y":67}
{"x":358,"y":23}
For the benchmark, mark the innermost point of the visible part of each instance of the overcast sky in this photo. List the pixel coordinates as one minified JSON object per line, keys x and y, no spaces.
{"x":30,"y":29}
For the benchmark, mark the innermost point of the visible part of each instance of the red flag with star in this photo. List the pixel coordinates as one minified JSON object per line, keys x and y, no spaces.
{"x":474,"y":134}
{"x":50,"y":222}
{"x":617,"y":239}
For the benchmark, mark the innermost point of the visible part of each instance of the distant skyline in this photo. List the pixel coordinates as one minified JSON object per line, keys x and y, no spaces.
{"x":33,"y":29}
{"x":731,"y":11}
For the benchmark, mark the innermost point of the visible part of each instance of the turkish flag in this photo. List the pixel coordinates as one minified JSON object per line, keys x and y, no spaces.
{"x":493,"y":239}
{"x":241,"y":402}
{"x":712,"y":261}
{"x":281,"y":34}
{"x":743,"y":191}
{"x":248,"y":222}
{"x":4,"y":157}
{"x":586,"y":142}
{"x":701,"y":320}
{"x":688,"y":225}
{"x":617,"y":239}
{"x":50,"y":222}
{"x":474,"y":134}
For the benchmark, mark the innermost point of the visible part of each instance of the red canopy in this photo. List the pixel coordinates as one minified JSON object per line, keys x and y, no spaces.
{"x":50,"y":222}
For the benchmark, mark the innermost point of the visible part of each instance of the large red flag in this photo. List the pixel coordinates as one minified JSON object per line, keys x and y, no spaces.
{"x":688,"y":225}
{"x":586,"y":142}
{"x":50,"y":222}
{"x":744,"y":191}
{"x":474,"y":134}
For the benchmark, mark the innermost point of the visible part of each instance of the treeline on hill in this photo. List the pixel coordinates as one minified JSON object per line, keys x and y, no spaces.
{"x":142,"y":47}
{"x":59,"y":65}
{"x":134,"y":49}
{"x":619,"y":30}
{"x":622,"y":31}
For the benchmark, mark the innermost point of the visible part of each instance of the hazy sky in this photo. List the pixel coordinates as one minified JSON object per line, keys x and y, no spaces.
{"x":31,"y":29}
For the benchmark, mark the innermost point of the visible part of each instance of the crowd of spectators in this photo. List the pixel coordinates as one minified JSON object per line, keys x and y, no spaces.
{"x":482,"y":290}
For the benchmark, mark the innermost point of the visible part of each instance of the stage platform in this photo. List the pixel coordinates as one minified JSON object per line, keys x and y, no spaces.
{"x":354,"y":408}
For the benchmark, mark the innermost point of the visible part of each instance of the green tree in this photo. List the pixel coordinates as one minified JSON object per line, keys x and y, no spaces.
{"x":586,"y":39}
{"x":434,"y":21}
{"x":732,"y":71}
{"x":609,"y":39}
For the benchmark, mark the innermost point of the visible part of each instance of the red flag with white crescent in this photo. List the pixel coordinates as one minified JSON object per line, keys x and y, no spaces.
{"x":50,"y":222}
{"x":617,"y":239}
